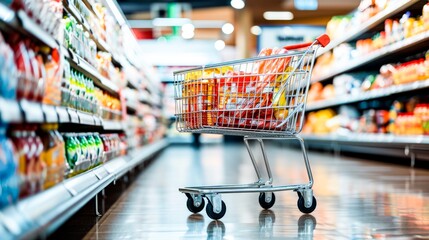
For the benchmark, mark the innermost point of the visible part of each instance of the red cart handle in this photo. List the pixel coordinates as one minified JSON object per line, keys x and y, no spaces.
{"x":322,"y":40}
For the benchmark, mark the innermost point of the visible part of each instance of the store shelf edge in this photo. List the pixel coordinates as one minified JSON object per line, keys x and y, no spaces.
{"x":369,"y":24}
{"x":44,"y":212}
{"x":376,"y":55}
{"x":373,"y":94}
{"x":370,"y":138}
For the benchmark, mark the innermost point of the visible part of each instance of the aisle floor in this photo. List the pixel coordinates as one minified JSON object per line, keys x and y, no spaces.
{"x":356,"y":199}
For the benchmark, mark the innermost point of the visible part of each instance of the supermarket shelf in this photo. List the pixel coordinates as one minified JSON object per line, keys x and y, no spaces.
{"x":410,"y":147}
{"x":101,"y":44}
{"x":112,"y":125}
{"x":385,"y":52}
{"x":42,"y":213}
{"x":80,"y":64}
{"x":12,"y":111}
{"x":131,"y":107}
{"x":90,"y":7}
{"x":393,"y":9}
{"x":19,"y":21}
{"x":72,"y":10}
{"x":133,"y":85}
{"x":373,"y":94}
{"x":369,"y":138}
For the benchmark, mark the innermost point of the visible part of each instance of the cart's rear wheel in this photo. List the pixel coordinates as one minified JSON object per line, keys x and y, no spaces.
{"x":212,"y":214}
{"x":303,"y":208}
{"x":266,"y":205}
{"x":192,"y":207}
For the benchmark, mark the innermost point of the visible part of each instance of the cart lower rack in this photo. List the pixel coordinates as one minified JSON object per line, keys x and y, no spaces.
{"x":257,"y":98}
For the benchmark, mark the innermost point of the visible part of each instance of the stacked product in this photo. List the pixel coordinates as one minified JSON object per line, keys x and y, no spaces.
{"x":356,"y":83}
{"x":409,"y":117}
{"x":395,"y":30}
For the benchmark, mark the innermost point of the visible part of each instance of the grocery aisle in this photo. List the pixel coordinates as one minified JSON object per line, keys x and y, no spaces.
{"x":357,"y":199}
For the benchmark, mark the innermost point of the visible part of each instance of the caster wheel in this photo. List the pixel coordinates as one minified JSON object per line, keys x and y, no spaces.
{"x":192,"y":207}
{"x":212,"y":214}
{"x":303,"y":208}
{"x":266,"y":205}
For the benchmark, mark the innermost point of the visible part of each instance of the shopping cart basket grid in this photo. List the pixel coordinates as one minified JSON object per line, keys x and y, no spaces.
{"x":258,"y":98}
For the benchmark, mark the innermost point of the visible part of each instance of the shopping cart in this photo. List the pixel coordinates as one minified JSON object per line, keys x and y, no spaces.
{"x":257,"y":98}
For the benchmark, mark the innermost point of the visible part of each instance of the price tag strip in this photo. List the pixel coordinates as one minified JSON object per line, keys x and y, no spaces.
{"x":85,"y":118}
{"x":33,"y":112}
{"x":74,"y":118}
{"x":63,"y":115}
{"x":10,"y":111}
{"x":50,"y":113}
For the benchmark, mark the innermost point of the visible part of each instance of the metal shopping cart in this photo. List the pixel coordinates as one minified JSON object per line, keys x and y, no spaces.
{"x":257,"y":98}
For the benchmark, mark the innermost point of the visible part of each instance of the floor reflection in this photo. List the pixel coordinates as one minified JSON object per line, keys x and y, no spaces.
{"x":216,"y":229}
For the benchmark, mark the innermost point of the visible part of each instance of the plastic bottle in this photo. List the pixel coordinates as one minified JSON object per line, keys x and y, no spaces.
{"x":9,"y":187}
{"x":52,"y":155}
{"x":100,"y":148}
{"x":72,"y":154}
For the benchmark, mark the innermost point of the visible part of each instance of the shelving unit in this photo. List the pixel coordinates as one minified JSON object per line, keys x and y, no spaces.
{"x":381,"y":55}
{"x":370,"y":24}
{"x":41,"y":214}
{"x":373,"y":94}
{"x":412,"y":147}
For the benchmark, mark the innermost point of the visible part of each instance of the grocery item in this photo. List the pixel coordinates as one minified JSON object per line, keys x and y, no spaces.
{"x":53,"y":68}
{"x":53,"y":154}
{"x":8,"y":71}
{"x":9,"y":186}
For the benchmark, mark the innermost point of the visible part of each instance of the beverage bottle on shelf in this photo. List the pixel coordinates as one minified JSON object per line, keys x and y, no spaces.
{"x":84,"y":152}
{"x":35,"y":76}
{"x":22,"y":147}
{"x":65,"y":84}
{"x":92,"y":148}
{"x":9,"y":186}
{"x":40,"y":164}
{"x":100,"y":148}
{"x":8,"y":71}
{"x":52,"y":91}
{"x":52,"y":155}
{"x":22,"y":62}
{"x":62,"y":161}
{"x":72,"y":151}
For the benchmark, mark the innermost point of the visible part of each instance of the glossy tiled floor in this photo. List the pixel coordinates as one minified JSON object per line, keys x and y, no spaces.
{"x":356,"y":199}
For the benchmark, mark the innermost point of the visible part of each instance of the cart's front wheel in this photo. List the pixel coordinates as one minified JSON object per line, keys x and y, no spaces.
{"x":264,"y":204}
{"x":212,"y":214}
{"x":191,"y":206}
{"x":303,"y":208}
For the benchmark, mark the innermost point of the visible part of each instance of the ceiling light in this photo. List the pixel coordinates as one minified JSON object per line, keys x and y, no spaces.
{"x":228,"y":28}
{"x":237,"y":4}
{"x":188,"y":27}
{"x":278,"y":15}
{"x":219,"y":45}
{"x":256,"y":30}
{"x":188,"y":34}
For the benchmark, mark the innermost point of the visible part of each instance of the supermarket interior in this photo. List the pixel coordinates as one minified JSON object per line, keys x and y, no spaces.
{"x":221,"y":119}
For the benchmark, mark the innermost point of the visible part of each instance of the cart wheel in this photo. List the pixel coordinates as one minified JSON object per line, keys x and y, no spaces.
{"x":192,"y":207}
{"x":301,"y":205}
{"x":212,"y":214}
{"x":266,"y":205}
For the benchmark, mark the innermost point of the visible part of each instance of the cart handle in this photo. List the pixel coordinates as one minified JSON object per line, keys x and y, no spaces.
{"x":322,"y":40}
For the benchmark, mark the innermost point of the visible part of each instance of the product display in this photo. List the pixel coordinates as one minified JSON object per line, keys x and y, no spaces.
{"x":395,"y":30}
{"x":66,"y":93}
{"x":83,"y":151}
